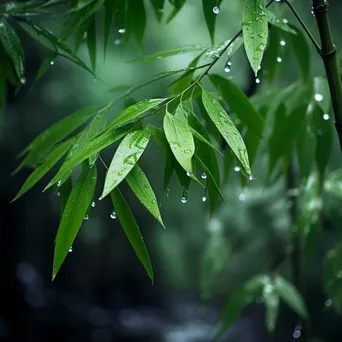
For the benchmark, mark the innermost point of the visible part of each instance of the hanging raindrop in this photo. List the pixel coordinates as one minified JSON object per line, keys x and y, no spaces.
{"x":188,"y":173}
{"x":282,"y":43}
{"x":93,"y":204}
{"x":184,"y":199}
{"x":122,"y":30}
{"x":86,"y":217}
{"x":326,"y":117}
{"x":52,"y":63}
{"x":23,"y":80}
{"x":279,"y":59}
{"x":216,"y":9}
{"x":59,"y":183}
{"x":237,"y":168}
{"x":257,"y":80}
{"x":328,"y":302}
{"x":113,"y":215}
{"x":204,"y":175}
{"x":318,"y":97}
{"x":70,"y":249}
{"x":242,"y":197}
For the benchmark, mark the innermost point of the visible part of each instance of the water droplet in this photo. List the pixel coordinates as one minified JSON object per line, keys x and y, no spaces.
{"x":93,"y":204}
{"x":23,"y":80}
{"x":59,"y":183}
{"x":279,"y":59}
{"x":58,"y":194}
{"x":113,"y":215}
{"x":121,"y":30}
{"x":216,"y":9}
{"x":285,"y":21}
{"x":52,"y":63}
{"x":257,"y":80}
{"x":189,"y":173}
{"x":86,"y":217}
{"x":251,"y":177}
{"x":326,"y":117}
{"x":237,"y":168}
{"x":282,"y":43}
{"x":167,"y":192}
{"x":154,"y":201}
{"x":242,"y":197}
{"x":184,"y":199}
{"x":297,"y":334}
{"x":204,"y":175}
{"x":328,"y":302}
{"x":227,"y":68}
{"x":277,"y":0}
{"x":204,"y":198}
{"x":318,"y":97}
{"x":70,"y":249}
{"x":117,"y":42}
{"x":146,"y":186}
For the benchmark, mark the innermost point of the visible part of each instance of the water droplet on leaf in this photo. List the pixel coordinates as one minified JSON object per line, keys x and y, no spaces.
{"x":216,"y":9}
{"x":184,"y":199}
{"x":189,"y":173}
{"x":242,"y":197}
{"x":237,"y":168}
{"x":86,"y":217}
{"x":93,"y":204}
{"x":70,"y":249}
{"x":279,"y":59}
{"x":282,"y":43}
{"x":121,"y":30}
{"x":326,"y":117}
{"x":204,"y":175}
{"x":318,"y":97}
{"x":113,"y":215}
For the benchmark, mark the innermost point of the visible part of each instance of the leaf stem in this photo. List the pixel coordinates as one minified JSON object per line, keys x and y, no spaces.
{"x":305,"y":28}
{"x":329,"y":57}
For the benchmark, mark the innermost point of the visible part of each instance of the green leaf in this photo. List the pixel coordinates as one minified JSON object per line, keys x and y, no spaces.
{"x":210,"y":17}
{"x":137,"y":20}
{"x":169,"y":53}
{"x":158,"y":6}
{"x":89,"y":150}
{"x":73,"y":215}
{"x":52,"y":42}
{"x":140,"y":185}
{"x":132,"y":113}
{"x":126,"y":156}
{"x":180,"y":139}
{"x":280,"y":23}
{"x":255,"y":31}
{"x":91,"y":41}
{"x":226,"y":127}
{"x":45,"y":66}
{"x":49,"y":162}
{"x":271,"y":300}
{"x":204,"y":140}
{"x":307,"y":142}
{"x":302,"y":53}
{"x":322,"y":94}
{"x":131,"y":230}
{"x":168,"y":172}
{"x":290,"y":295}
{"x":108,"y":17}
{"x":64,"y":193}
{"x":11,"y":43}
{"x":178,"y":4}
{"x":239,"y":104}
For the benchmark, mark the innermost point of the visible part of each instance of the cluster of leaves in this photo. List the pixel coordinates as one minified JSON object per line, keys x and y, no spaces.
{"x":195,"y":125}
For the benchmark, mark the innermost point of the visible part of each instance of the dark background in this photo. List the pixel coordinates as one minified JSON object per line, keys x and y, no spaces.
{"x":102,"y":292}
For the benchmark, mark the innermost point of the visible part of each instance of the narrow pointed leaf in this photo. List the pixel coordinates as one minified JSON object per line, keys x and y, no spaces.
{"x":131,"y":230}
{"x":64,"y":193}
{"x":73,"y":215}
{"x":322,"y":94}
{"x":45,"y":66}
{"x":178,"y":4}
{"x":49,"y":162}
{"x":126,"y":156}
{"x":290,"y":295}
{"x":279,"y":22}
{"x":180,"y":139}
{"x":137,"y":19}
{"x":11,"y":43}
{"x":255,"y":31}
{"x":132,"y":113}
{"x":52,"y":42}
{"x":108,"y":16}
{"x":141,"y":187}
{"x":91,"y":42}
{"x":226,"y":127}
{"x":271,"y":300}
{"x":210,"y":16}
{"x":92,"y":148}
{"x":239,"y":104}
{"x":168,"y":53}
{"x":158,"y":6}
{"x":204,"y":140}
{"x":302,"y":53}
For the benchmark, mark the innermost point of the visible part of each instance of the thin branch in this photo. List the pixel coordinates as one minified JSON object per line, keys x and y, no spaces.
{"x":305,"y":28}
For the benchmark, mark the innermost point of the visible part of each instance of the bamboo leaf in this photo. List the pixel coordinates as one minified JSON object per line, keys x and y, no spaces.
{"x":210,"y":17}
{"x":180,"y":139}
{"x":108,"y":17}
{"x":279,"y":22}
{"x":302,"y":52}
{"x":52,"y":42}
{"x":239,"y":104}
{"x":255,"y":31}
{"x":132,"y":113}
{"x":290,"y":295}
{"x":271,"y":300}
{"x":204,"y":140}
{"x":141,"y":187}
{"x":64,"y":193}
{"x":178,"y":4}
{"x":11,"y":43}
{"x":131,"y":230}
{"x":322,"y":94}
{"x":158,"y":6}
{"x":45,"y":66}
{"x":126,"y":156}
{"x":91,"y":41}
{"x":49,"y":162}
{"x":226,"y":127}
{"x":169,"y":53}
{"x":73,"y":215}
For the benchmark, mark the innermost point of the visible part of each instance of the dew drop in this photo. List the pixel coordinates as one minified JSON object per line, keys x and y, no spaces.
{"x":23,"y":80}
{"x":204,"y":198}
{"x":93,"y":204}
{"x":257,"y":80}
{"x":285,"y":21}
{"x":282,"y":43}
{"x":189,"y":173}
{"x":86,"y":217}
{"x":318,"y":97}
{"x":52,"y":63}
{"x":297,"y":334}
{"x":251,"y":177}
{"x":227,"y":68}
{"x":121,"y":30}
{"x":70,"y":249}
{"x":167,"y":192}
{"x":237,"y":168}
{"x":216,"y":9}
{"x":326,"y":117}
{"x":279,"y":59}
{"x":204,"y":175}
{"x":328,"y":302}
{"x":59,"y":183}
{"x":184,"y":199}
{"x":58,"y":194}
{"x":242,"y":197}
{"x":113,"y":215}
